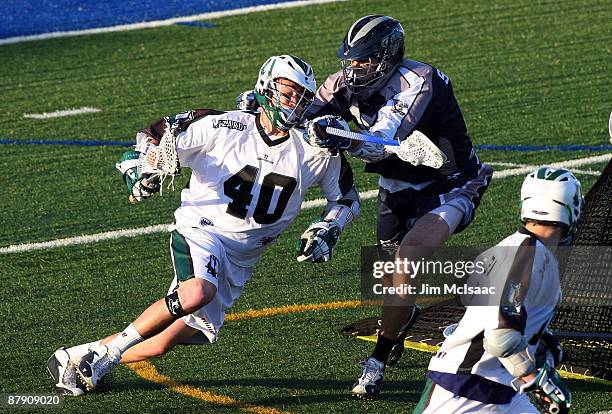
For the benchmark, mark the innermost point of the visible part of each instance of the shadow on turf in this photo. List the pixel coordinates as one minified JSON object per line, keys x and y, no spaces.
{"x":337,"y":390}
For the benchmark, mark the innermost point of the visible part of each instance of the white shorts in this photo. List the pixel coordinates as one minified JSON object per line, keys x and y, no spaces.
{"x":198,"y":253}
{"x":458,"y":211}
{"x":436,"y":400}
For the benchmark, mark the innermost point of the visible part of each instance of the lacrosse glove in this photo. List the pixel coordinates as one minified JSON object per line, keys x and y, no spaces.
{"x":317,"y":243}
{"x":315,"y":134}
{"x":550,"y":393}
{"x":247,"y":101}
{"x":139,"y":187}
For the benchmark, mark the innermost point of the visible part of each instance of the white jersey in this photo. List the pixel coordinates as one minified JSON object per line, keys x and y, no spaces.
{"x":529,"y":279}
{"x":245,"y":187}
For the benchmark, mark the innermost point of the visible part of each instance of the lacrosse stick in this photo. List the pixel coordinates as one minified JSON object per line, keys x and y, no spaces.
{"x":158,"y":161}
{"x":417,"y":149}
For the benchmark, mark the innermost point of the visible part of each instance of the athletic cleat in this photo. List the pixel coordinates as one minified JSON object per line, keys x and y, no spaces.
{"x":63,"y":372}
{"x":96,"y":364}
{"x":368,"y":385}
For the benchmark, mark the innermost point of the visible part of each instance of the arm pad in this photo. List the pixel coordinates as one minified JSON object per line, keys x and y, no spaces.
{"x":345,"y":210}
{"x":511,"y":349}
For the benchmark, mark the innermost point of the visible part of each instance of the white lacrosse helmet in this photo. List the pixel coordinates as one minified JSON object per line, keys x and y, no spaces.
{"x":267,"y":90}
{"x":554,"y":195}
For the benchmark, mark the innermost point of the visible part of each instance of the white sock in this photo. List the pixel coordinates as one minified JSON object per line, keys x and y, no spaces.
{"x":126,"y":339}
{"x":77,"y":352}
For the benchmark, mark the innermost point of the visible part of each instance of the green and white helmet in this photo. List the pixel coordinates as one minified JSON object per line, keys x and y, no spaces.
{"x":554,"y":195}
{"x":268,"y":94}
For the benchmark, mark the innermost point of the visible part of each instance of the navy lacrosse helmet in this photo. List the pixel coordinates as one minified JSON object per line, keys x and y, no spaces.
{"x":372,"y":49}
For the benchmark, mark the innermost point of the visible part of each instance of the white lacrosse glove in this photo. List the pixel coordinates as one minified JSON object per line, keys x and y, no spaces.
{"x":550,"y":393}
{"x":139,"y":187}
{"x":317,"y":243}
{"x":315,"y":135}
{"x":247,"y":101}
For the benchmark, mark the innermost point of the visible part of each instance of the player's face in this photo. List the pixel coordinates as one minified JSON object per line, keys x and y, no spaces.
{"x":292,"y":98}
{"x":290,"y":93}
{"x":363,"y":71}
{"x":364,"y":63}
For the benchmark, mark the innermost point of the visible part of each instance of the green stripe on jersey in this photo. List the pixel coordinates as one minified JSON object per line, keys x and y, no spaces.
{"x":425,"y":397}
{"x":181,"y":257}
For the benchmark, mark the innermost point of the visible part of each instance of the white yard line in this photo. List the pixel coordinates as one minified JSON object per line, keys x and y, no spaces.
{"x":318,"y":203}
{"x":505,"y":164}
{"x":166,"y":22}
{"x":63,"y":112}
{"x":586,"y":172}
{"x":562,"y":164}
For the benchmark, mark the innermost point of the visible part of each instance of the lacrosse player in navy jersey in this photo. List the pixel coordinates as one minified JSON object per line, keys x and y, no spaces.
{"x":419,"y":206}
{"x":250,"y":174}
{"x":501,"y":352}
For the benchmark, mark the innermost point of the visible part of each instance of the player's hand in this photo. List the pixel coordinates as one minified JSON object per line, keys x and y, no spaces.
{"x":317,"y":243}
{"x":144,"y":188}
{"x":546,"y":386}
{"x":315,"y":135}
{"x":247,"y":101}
{"x":139,"y":187}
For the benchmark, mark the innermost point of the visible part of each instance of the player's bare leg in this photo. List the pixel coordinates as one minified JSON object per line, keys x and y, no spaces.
{"x":178,"y":332}
{"x":429,"y":232}
{"x":162,"y":343}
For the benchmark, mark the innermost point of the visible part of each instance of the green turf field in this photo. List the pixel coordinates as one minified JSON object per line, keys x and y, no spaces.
{"x":524,"y":73}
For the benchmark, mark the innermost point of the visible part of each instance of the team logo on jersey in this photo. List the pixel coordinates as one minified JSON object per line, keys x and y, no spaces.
{"x":400,"y":107}
{"x":265,"y":157}
{"x":213,"y":265}
{"x":206,"y":222}
{"x":228,"y":123}
{"x":514,"y":298}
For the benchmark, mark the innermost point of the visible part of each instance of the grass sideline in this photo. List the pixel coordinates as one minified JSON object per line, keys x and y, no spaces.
{"x":523,"y":73}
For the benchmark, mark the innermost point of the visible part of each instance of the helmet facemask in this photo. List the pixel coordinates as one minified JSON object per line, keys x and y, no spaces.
{"x":284,"y":105}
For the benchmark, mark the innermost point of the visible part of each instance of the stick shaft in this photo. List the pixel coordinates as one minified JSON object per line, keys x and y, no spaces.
{"x":360,"y":136}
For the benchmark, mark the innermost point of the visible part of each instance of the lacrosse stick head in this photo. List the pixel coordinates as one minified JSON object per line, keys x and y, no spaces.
{"x":417,"y":149}
{"x":159,"y":160}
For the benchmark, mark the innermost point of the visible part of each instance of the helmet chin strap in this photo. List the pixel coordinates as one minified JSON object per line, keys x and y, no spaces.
{"x":272,"y":113}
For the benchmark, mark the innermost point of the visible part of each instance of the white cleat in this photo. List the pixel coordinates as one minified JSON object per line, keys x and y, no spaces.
{"x":368,"y":385}
{"x":96,"y":364}
{"x":63,"y":372}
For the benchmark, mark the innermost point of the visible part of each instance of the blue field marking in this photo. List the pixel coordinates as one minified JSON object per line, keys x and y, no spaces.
{"x":196,"y":24}
{"x":516,"y":148}
{"x":32,"y":17}
{"x":525,"y":148}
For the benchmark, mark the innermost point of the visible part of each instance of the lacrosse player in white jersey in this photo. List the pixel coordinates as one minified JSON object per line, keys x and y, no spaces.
{"x":499,"y":354}
{"x":250,"y":174}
